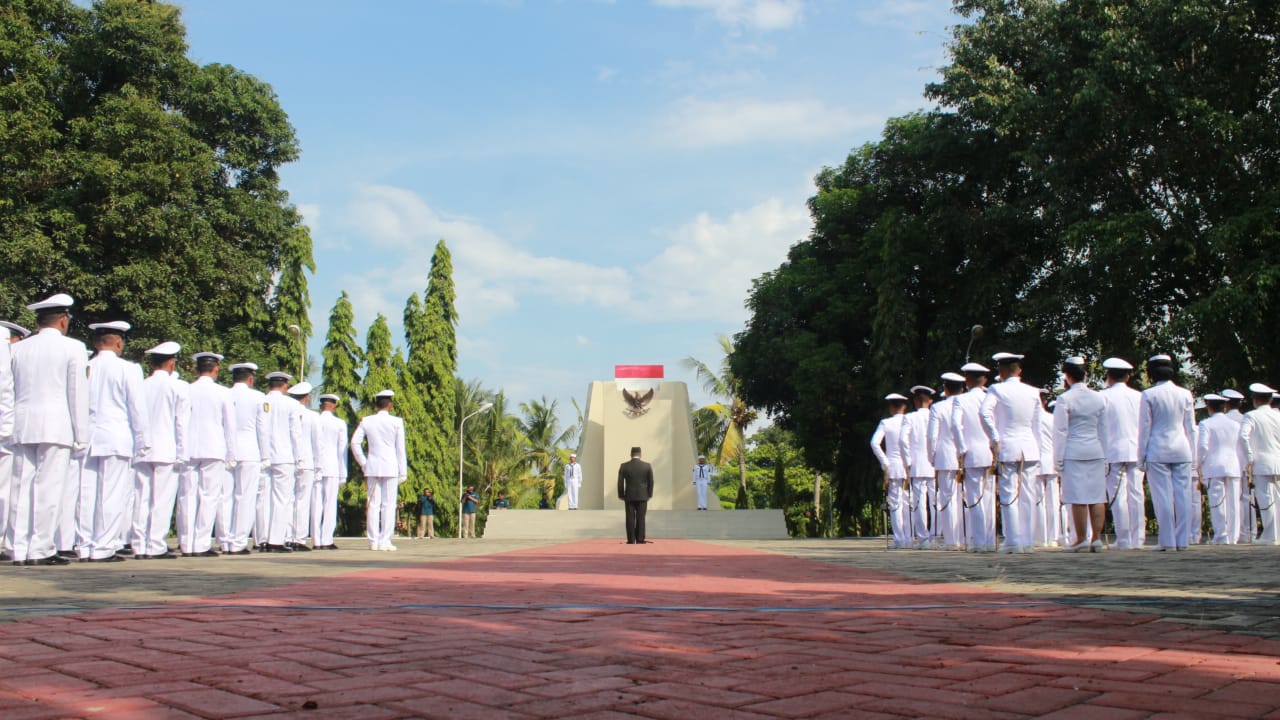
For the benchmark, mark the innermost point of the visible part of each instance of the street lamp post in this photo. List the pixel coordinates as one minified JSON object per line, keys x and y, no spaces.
{"x":483,"y":408}
{"x":302,"y":353}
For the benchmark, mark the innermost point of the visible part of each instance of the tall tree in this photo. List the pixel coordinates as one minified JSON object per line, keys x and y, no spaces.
{"x":433,"y":360}
{"x":546,"y":444}
{"x":342,"y":361}
{"x":379,"y":373}
{"x":732,"y":409}
{"x":291,"y":304}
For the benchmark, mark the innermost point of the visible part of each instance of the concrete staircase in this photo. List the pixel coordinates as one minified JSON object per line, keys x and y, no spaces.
{"x":684,"y":524}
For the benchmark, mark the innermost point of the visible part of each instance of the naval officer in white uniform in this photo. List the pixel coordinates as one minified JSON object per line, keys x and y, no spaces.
{"x":949,"y":525}
{"x":1260,"y":443}
{"x":573,"y":481}
{"x":1124,"y":478}
{"x":1218,"y":463}
{"x":1011,"y":418}
{"x":156,"y":471}
{"x":280,"y":454}
{"x":211,"y":445}
{"x":701,"y":479}
{"x":240,"y":507}
{"x":331,"y":472}
{"x":1166,"y":441}
{"x":385,"y":467}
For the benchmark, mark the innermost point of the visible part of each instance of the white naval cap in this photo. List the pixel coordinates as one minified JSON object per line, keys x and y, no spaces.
{"x":974,"y":368}
{"x":60,"y":301}
{"x":244,"y":366}
{"x":1232,"y":394}
{"x":1261,"y":389}
{"x":1214,"y":397}
{"x":952,"y":377}
{"x":895,"y":396}
{"x":329,"y":396}
{"x":385,"y":394}
{"x":15,"y":328}
{"x":302,"y":388}
{"x":279,"y":375}
{"x":1199,"y":404}
{"x":1162,"y":358}
{"x":115,"y":326}
{"x":202,"y":355}
{"x":1115,"y":363}
{"x":921,"y":389}
{"x":1074,"y":360}
{"x":1005,"y":357}
{"x":167,"y":347}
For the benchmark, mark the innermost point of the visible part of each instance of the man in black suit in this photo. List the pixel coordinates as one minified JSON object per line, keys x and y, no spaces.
{"x":635,"y":487}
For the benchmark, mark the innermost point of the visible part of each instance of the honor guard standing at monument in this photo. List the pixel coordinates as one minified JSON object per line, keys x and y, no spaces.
{"x":1011,"y":417}
{"x":1166,"y":438}
{"x":1245,"y":515}
{"x":304,"y":487}
{"x":385,"y":467}
{"x":120,"y":432}
{"x":50,"y":422}
{"x":284,"y":444}
{"x":211,"y":451}
{"x":331,"y":471}
{"x":156,"y":471}
{"x":1260,"y":443}
{"x":572,"y":481}
{"x":946,"y":464}
{"x":240,"y":506}
{"x":635,"y":487}
{"x":701,"y":480}
{"x":920,"y":472}
{"x":897,"y":488}
{"x":1124,"y":478}
{"x":1218,"y":464}
{"x":974,"y":448}
{"x":1046,"y":523}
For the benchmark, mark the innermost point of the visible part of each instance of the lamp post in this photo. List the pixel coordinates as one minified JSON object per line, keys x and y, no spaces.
{"x":974,"y":332}
{"x":302,"y":353}
{"x":483,"y":408}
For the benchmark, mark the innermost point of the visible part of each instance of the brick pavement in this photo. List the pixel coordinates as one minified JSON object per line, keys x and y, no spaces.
{"x":598,"y":629}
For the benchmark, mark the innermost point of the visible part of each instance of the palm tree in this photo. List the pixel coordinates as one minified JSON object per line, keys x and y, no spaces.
{"x":545,"y":441}
{"x":731,"y":410}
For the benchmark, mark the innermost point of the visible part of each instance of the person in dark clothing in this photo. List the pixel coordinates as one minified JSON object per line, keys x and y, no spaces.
{"x":635,"y":487}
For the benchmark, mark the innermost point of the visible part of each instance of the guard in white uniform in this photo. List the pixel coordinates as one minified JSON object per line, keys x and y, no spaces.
{"x":239,"y":508}
{"x":1124,"y":478}
{"x":701,"y":479}
{"x":118,"y":416}
{"x":573,"y":482}
{"x":1166,"y":436}
{"x":305,"y":474}
{"x":385,"y":467}
{"x":1218,"y":464}
{"x":284,"y":445}
{"x":1079,"y":454}
{"x":974,"y":448}
{"x":156,"y":471}
{"x":1260,"y":442}
{"x":949,"y":526}
{"x":897,"y":487}
{"x":920,"y":471}
{"x":1011,"y":418}
{"x":1046,"y":525}
{"x":331,"y":471}
{"x":1246,"y":518}
{"x":211,"y":445}
{"x":6,"y":434}
{"x":50,"y":422}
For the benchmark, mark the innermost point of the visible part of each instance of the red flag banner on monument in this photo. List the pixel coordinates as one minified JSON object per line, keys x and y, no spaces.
{"x":638,"y":384}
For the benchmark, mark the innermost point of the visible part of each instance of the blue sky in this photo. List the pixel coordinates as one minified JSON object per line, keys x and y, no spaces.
{"x":609,"y":176}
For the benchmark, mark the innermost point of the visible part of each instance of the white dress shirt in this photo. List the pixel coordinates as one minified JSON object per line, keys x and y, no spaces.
{"x":1079,"y":425}
{"x":168,"y":412}
{"x":331,"y":446}
{"x":573,"y":474}
{"x":50,"y":391}
{"x":1122,"y":423}
{"x":1166,"y":424}
{"x":211,"y":434}
{"x":1046,"y":442}
{"x":284,"y":429}
{"x":1217,"y":454}
{"x":1260,"y":440}
{"x":941,"y":439}
{"x":117,"y":407}
{"x":972,"y":443}
{"x":252,"y":428}
{"x":385,"y":435}
{"x":915,"y":443}
{"x":1011,"y":418}
{"x":310,"y":420}
{"x":6,"y":392}
{"x":889,"y":432}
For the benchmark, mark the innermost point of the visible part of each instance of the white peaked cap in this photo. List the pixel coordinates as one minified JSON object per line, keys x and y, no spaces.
{"x":1214,"y":397}
{"x":1232,"y":394}
{"x":213,"y":355}
{"x":279,"y":375}
{"x":113,"y":326}
{"x":922,"y":389}
{"x":244,"y":366}
{"x":1074,"y":360}
{"x":302,"y":388}
{"x":167,"y":347}
{"x":974,"y":368}
{"x":1161,"y":358}
{"x":15,"y":328}
{"x":895,"y":396}
{"x":1261,"y":389}
{"x":53,"y":302}
{"x":385,"y":393}
{"x":1115,"y":363}
{"x":952,"y":377}
{"x":1006,"y":357}
{"x":329,"y":396}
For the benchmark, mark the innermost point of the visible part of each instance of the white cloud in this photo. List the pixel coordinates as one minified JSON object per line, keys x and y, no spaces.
{"x":605,"y":74}
{"x":582,"y":340}
{"x":703,"y":123}
{"x":757,"y":14}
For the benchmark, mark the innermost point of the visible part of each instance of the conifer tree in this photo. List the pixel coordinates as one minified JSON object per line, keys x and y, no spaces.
{"x":342,"y":360}
{"x":379,"y":374}
{"x":433,"y":359}
{"x":291,"y":304}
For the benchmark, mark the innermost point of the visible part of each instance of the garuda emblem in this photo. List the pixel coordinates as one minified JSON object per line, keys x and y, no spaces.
{"x":637,"y":402}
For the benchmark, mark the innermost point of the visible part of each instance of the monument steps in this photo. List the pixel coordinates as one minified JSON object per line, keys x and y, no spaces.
{"x":659,"y":524}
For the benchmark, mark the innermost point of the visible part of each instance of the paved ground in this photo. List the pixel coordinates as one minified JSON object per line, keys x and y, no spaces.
{"x":675,"y":629}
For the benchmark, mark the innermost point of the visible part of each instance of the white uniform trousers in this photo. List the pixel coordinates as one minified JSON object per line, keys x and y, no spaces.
{"x":381,"y":515}
{"x":1224,"y":509}
{"x":157,"y":489}
{"x":1128,"y":504}
{"x":88,"y":495}
{"x":1265,"y":492}
{"x":699,"y":486}
{"x":223,"y":527}
{"x":1196,"y":518}
{"x":112,"y":479}
{"x":324,"y":510}
{"x":949,"y":525}
{"x":281,"y":479}
{"x":923,"y":498}
{"x":39,"y":478}
{"x":1245,"y":516}
{"x":199,"y":496}
{"x":262,"y":505}
{"x":1016,"y":495}
{"x":64,"y":536}
{"x":6,"y":489}
{"x":898,"y":501}
{"x":979,"y":509}
{"x":571,"y":490}
{"x":1170,"y":485}
{"x":1047,"y":511}
{"x":303,"y":489}
{"x":130,"y":511}
{"x":246,"y":478}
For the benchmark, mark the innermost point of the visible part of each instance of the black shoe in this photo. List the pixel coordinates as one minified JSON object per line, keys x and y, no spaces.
{"x":126,"y":551}
{"x":51,"y":560}
{"x":187,"y":554}
{"x":109,"y":558}
{"x":330,"y":546}
{"x":209,"y":553}
{"x":5,"y":557}
{"x":299,"y":547}
{"x":241,"y":551}
{"x":278,"y":549}
{"x":18,"y":563}
{"x":163,"y":556}
{"x":631,"y":542}
{"x":68,"y":554}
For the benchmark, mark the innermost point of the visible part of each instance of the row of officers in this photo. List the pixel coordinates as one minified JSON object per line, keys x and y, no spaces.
{"x":95,"y":459}
{"x":1055,"y":465}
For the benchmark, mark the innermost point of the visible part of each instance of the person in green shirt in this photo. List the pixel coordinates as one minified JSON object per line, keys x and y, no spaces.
{"x":427,"y":515}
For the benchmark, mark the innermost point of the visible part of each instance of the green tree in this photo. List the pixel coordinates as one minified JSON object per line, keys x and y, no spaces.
{"x":547,"y":448}
{"x":732,"y":410}
{"x":343,"y":359}
{"x":433,"y":360}
{"x":379,"y":372}
{"x":291,"y":304}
